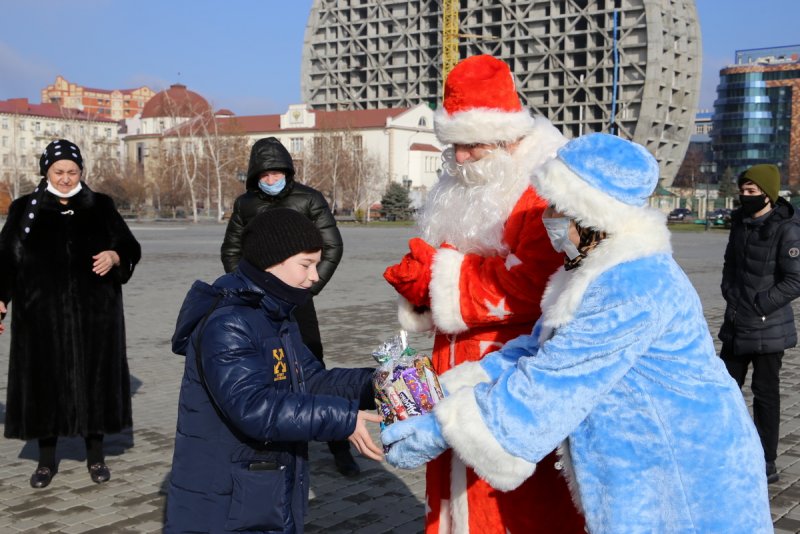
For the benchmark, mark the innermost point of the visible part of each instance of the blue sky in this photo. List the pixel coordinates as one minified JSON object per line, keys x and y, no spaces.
{"x":245,"y":55}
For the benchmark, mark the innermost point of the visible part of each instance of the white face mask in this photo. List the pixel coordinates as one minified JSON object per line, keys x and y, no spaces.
{"x":74,"y":191}
{"x":558,"y":231}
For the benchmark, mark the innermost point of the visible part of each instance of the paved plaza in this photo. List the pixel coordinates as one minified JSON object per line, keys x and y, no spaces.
{"x":356,"y":311}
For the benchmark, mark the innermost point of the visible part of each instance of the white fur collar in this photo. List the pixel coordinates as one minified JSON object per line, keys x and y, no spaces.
{"x":539,"y":146}
{"x":633,"y":232}
{"x":566,"y":288}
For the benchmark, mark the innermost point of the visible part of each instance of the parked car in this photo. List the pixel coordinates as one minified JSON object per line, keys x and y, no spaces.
{"x":680,"y":214}
{"x":720,"y":217}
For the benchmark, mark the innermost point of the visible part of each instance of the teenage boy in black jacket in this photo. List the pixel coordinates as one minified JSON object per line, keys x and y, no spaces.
{"x":760,"y":278}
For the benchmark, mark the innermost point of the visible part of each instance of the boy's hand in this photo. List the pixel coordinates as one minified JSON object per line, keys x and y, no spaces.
{"x":361,"y":439}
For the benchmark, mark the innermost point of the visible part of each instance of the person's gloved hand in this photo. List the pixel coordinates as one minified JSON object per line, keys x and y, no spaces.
{"x":412,"y":276}
{"x":413,"y":442}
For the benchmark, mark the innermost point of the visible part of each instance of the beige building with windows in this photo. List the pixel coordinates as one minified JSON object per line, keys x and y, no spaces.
{"x":26,"y":128}
{"x":400,"y":141}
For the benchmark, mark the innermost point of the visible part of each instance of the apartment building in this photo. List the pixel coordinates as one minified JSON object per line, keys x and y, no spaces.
{"x":113,"y":104}
{"x":26,"y":128}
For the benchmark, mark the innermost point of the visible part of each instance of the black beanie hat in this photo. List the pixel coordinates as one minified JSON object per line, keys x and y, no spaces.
{"x":767,"y":177}
{"x":277,"y":234}
{"x":61,"y":149}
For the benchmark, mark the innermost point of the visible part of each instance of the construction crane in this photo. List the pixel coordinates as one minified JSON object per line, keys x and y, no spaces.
{"x":449,"y":37}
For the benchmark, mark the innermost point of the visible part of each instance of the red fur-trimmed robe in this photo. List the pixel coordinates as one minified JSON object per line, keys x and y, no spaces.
{"x":477,"y":304}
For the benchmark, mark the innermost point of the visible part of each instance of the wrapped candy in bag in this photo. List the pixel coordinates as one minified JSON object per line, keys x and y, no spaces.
{"x":405,"y":383}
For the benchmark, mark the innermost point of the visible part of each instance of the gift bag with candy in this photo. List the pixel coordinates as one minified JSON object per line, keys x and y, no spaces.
{"x":405,"y":383}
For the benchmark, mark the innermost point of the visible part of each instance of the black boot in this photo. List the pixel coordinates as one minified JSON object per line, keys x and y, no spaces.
{"x":772,"y":473}
{"x":345,"y":463}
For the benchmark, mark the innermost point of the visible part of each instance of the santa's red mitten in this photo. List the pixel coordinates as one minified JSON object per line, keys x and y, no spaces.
{"x":411,"y":277}
{"x":421,"y":251}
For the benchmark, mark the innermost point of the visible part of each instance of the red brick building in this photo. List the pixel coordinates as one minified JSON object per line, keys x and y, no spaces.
{"x":115,"y":104}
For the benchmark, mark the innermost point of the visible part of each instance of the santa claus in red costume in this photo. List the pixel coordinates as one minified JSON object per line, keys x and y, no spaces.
{"x":476,"y":277}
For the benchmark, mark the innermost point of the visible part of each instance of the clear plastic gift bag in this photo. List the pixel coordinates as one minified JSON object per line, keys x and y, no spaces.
{"x":405,"y":383}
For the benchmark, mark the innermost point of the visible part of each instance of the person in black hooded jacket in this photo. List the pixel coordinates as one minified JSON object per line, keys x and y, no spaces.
{"x":760,"y":279}
{"x":270,"y":184}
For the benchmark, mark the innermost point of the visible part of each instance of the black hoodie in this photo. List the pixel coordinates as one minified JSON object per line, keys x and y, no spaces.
{"x":270,"y":154}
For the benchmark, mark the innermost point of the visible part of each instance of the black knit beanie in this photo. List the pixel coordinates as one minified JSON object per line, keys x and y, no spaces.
{"x":277,"y":234}
{"x":61,"y":149}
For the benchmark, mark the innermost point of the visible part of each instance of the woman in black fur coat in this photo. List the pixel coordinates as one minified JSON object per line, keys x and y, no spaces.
{"x":65,"y":251}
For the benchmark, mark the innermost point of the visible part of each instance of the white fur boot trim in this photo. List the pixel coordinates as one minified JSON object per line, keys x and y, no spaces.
{"x":458,"y":496}
{"x":568,"y":472}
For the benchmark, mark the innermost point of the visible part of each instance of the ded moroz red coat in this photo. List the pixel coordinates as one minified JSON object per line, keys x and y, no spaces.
{"x":477,"y":303}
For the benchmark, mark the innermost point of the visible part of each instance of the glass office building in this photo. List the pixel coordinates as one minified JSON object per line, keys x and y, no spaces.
{"x":753,"y":121}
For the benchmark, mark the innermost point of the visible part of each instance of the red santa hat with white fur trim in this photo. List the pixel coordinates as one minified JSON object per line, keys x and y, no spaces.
{"x":481,"y":104}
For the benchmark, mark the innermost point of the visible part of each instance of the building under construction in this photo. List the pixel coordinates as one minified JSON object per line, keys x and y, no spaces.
{"x":630,"y":67}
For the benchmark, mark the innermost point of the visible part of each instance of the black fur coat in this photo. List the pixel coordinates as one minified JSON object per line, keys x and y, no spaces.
{"x":68,"y":372}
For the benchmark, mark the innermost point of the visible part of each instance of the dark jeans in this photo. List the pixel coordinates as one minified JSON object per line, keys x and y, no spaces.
{"x":306,"y":317}
{"x":766,"y":393}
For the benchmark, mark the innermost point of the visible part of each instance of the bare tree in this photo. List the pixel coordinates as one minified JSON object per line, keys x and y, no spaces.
{"x":337,"y":164}
{"x":224,"y":154}
{"x":368,"y":186}
{"x":125,"y":185}
{"x":186,"y":143}
{"x":169,"y":188}
{"x":691,"y":168}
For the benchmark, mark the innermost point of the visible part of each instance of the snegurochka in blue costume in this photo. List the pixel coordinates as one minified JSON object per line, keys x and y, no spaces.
{"x":620,"y":372}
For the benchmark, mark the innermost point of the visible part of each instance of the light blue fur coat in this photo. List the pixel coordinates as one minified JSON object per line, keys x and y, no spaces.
{"x":621,"y":375}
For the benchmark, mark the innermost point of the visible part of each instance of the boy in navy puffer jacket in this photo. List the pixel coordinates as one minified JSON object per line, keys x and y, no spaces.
{"x":253,"y":395}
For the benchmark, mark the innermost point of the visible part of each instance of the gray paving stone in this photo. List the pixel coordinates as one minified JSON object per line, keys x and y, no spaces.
{"x":357,"y":311}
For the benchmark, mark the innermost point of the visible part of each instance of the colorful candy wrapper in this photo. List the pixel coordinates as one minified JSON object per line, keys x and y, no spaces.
{"x":406,"y":398}
{"x":405,"y":383}
{"x":418,"y":386}
{"x":397,"y":404}
{"x":382,"y":402}
{"x":425,"y":369}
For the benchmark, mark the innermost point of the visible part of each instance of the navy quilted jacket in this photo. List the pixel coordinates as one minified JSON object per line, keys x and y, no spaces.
{"x":245,"y":470}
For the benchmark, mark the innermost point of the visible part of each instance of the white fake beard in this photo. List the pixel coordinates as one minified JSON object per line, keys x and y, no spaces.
{"x":470,"y":204}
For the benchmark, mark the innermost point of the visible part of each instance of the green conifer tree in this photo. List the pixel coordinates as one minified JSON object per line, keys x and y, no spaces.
{"x":396,"y":202}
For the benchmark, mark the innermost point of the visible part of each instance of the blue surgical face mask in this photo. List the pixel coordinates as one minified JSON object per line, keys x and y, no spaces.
{"x":273,"y":189}
{"x":558,"y":232}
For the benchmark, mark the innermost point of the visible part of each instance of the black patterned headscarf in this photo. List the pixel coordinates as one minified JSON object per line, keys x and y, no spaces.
{"x":60,"y":149}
